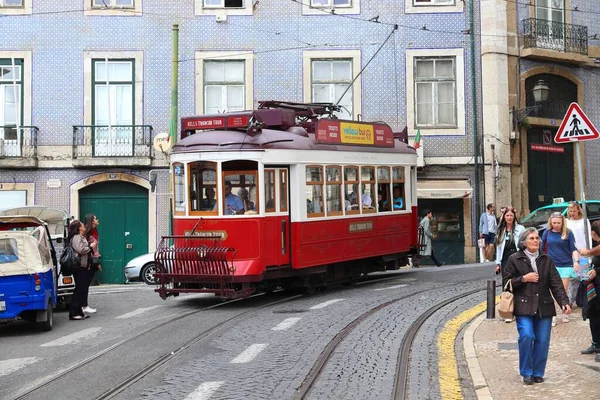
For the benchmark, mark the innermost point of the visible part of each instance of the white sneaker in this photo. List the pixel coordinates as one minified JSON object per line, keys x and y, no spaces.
{"x":89,"y":310}
{"x":553,"y":321}
{"x":508,"y":320}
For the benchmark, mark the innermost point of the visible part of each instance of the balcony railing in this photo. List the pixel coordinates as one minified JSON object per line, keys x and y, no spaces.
{"x":112,"y":141}
{"x":18,"y":142}
{"x":550,"y":35}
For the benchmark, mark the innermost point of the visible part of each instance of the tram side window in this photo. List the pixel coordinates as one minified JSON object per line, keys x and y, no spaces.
{"x":179,"y":188}
{"x":203,"y":186}
{"x":367,"y":183}
{"x":399,"y":200}
{"x":283,"y":191}
{"x":351,"y":193}
{"x":383,"y":189}
{"x":270,"y":190}
{"x":333,"y":190}
{"x":314,"y":191}
{"x":240,"y":195}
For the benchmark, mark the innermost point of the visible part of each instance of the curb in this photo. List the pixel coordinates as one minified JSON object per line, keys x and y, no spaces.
{"x":479,"y":383}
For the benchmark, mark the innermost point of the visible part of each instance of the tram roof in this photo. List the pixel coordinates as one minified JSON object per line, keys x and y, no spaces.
{"x":295,"y":138}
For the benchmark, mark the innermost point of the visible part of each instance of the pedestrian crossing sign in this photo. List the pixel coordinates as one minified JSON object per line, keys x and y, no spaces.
{"x":575,"y":127}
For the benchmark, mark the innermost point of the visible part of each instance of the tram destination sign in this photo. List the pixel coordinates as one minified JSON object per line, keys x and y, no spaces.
{"x":336,"y":131}
{"x":225,"y":121}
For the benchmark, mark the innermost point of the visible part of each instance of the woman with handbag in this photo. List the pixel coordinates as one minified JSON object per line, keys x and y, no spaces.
{"x":91,"y":234}
{"x":534,"y":280}
{"x":80,"y":245}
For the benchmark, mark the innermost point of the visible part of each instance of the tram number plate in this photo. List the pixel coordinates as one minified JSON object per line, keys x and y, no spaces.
{"x":2,"y":306}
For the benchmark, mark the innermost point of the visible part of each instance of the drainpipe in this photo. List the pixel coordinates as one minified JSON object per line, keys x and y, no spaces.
{"x":475,"y":112}
{"x":174,"y":112}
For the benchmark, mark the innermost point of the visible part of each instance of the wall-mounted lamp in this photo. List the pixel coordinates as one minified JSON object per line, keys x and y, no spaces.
{"x":540,"y":92}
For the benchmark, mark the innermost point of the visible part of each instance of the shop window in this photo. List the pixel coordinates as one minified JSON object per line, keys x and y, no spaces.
{"x":367,"y":185}
{"x":203,"y":187}
{"x":283,"y":191}
{"x":179,"y":189}
{"x":239,"y":195}
{"x":383,"y":189}
{"x":351,"y":193}
{"x":314,"y":191}
{"x":270,"y":190}
{"x":399,"y":200}
{"x":333,"y":190}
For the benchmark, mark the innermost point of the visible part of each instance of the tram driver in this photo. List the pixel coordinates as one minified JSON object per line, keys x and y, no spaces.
{"x":233,"y":203}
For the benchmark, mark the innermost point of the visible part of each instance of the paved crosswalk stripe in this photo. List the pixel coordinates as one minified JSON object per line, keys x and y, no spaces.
{"x":286,"y":324}
{"x":15,"y":364}
{"x":325,"y":304}
{"x":204,"y":391}
{"x":389,"y":287}
{"x":250,"y":353}
{"x":137,"y":312}
{"x":74,"y":337}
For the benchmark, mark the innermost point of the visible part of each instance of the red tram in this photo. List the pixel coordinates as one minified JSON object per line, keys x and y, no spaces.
{"x":286,"y":195}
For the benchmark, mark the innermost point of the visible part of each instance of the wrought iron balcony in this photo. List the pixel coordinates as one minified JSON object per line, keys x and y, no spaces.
{"x":112,"y":141}
{"x":18,"y":142}
{"x":557,"y":36}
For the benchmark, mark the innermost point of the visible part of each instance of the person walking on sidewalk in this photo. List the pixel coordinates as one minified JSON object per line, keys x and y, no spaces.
{"x":91,"y":234}
{"x":77,"y":241}
{"x":428,"y":237}
{"x":578,"y":226}
{"x":559,"y":243}
{"x":593,"y":311}
{"x":488,"y":226}
{"x":534,"y":280}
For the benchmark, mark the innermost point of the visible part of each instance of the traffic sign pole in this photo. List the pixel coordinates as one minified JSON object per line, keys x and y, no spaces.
{"x":578,"y":152}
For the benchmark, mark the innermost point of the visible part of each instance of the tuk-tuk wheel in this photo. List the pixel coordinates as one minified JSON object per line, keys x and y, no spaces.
{"x":47,"y":324}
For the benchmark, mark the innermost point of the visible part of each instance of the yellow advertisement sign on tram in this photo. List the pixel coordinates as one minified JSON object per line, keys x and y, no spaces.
{"x":353,"y":133}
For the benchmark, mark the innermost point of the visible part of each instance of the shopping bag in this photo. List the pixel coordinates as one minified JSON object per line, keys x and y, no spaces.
{"x":506,"y":306}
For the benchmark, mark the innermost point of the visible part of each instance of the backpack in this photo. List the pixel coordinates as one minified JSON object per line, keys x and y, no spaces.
{"x":69,"y":260}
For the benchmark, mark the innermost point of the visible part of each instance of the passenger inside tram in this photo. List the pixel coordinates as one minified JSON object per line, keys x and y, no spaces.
{"x":245,"y":196}
{"x":233,"y":203}
{"x":367,"y":201}
{"x":209,"y":203}
{"x":398,"y":200}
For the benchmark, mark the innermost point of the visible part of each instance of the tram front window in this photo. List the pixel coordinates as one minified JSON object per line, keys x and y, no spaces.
{"x":203,"y":187}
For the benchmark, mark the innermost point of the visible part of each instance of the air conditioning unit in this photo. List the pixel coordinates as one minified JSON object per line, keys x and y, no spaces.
{"x":222,"y":18}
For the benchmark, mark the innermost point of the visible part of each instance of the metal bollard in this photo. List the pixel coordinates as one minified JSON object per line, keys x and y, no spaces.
{"x":491,"y":299}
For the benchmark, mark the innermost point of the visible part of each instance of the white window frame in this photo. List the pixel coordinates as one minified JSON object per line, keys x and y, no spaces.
{"x":20,"y":187}
{"x":309,"y":9}
{"x":247,"y":9}
{"x":138,"y":76}
{"x":26,"y":79}
{"x":16,"y":10}
{"x":246,"y":56}
{"x":309,"y":55}
{"x":433,"y":7}
{"x":224,"y":85}
{"x":112,"y":9}
{"x":458,"y":54}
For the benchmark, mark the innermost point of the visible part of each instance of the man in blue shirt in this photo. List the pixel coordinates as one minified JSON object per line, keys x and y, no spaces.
{"x":233,"y":204}
{"x":398,"y":202}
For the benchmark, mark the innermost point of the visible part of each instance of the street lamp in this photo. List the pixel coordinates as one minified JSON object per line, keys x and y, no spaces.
{"x":540,"y":95}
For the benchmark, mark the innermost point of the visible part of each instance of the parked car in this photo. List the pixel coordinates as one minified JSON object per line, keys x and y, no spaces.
{"x":539,"y":218}
{"x":141,"y":268}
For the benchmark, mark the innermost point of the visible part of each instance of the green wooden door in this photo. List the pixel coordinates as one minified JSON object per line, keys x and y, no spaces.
{"x":122,"y":209}
{"x":550,"y":173}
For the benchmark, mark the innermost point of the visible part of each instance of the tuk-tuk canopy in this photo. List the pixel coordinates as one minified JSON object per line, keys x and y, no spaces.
{"x":55,"y":218}
{"x":22,"y":254}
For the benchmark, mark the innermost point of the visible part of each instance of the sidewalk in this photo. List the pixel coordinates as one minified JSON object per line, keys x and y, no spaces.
{"x":493,"y":356}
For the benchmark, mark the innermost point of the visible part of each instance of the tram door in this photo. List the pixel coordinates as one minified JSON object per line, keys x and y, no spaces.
{"x":277,"y":216}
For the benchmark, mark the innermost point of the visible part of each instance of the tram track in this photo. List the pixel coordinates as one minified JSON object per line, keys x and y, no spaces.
{"x":161,"y":360}
{"x":168,"y":356}
{"x":403,"y":363}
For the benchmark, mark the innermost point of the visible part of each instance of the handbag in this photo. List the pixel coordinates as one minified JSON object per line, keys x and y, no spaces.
{"x":506,"y":306}
{"x":96,"y":261}
{"x":69,"y":260}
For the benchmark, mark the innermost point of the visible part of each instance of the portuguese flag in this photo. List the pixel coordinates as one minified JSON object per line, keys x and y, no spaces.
{"x":417,"y":143}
